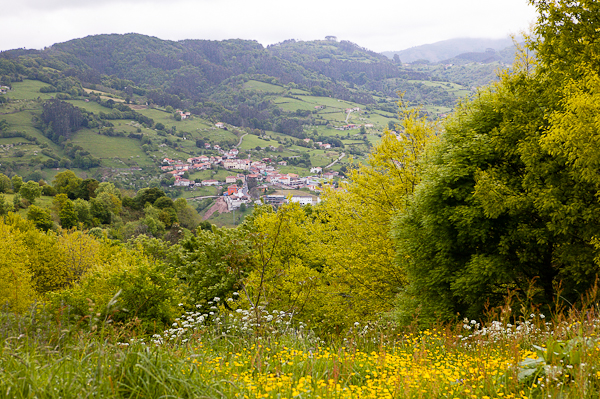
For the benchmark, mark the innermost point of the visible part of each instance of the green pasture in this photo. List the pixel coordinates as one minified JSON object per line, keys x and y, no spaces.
{"x":29,"y":90}
{"x":337,"y":118}
{"x":167,"y":119}
{"x":90,"y":106}
{"x":21,"y":122}
{"x":322,"y":157}
{"x":256,"y":85}
{"x":332,"y":102}
{"x":212,"y":174}
{"x":250,"y":141}
{"x":200,"y":192}
{"x":299,"y":92}
{"x":382,"y":118}
{"x":105,"y":147}
{"x":291,"y":104}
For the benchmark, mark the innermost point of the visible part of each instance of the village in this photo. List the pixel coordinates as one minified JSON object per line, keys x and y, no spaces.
{"x":247,"y":174}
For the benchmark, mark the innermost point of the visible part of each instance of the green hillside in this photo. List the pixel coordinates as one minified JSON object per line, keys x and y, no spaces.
{"x":107,"y":105}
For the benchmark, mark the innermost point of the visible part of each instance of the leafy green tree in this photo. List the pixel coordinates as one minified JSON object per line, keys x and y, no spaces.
{"x":58,"y":201}
{"x":68,"y":215}
{"x":110,"y":202}
{"x":87,"y":189}
{"x":164,"y":203}
{"x":168,"y":216}
{"x":148,"y":195}
{"x":16,"y":293}
{"x":5,"y":206}
{"x":17,"y":182}
{"x":5,"y":183}
{"x":213,"y":263}
{"x":144,"y":291}
{"x":48,"y":190}
{"x":180,"y":204}
{"x":99,"y":211}
{"x":18,"y":201}
{"x":107,"y":187}
{"x":509,"y":198}
{"x":82,"y":209}
{"x":30,"y":191}
{"x":67,"y":182}
{"x":40,"y":217}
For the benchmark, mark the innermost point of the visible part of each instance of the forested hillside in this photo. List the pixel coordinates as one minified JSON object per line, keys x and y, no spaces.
{"x":114,"y":107}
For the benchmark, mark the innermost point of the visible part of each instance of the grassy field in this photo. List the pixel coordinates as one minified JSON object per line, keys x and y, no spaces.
{"x":255,"y":85}
{"x":273,"y":356}
{"x":200,"y":192}
{"x":292,"y":104}
{"x":251,"y":141}
{"x":90,"y":106}
{"x":106,"y":148}
{"x":212,"y":174}
{"x":42,"y":202}
{"x":29,"y":90}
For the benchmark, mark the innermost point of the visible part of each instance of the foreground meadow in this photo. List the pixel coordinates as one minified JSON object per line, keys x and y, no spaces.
{"x":260,"y":354}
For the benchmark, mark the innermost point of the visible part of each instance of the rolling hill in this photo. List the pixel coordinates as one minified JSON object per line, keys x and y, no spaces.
{"x":114,"y":106}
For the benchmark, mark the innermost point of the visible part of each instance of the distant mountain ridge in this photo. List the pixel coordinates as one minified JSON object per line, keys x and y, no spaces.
{"x":448,"y":49}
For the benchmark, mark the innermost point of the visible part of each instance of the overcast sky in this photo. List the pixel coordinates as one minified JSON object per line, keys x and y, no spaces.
{"x":375,"y":24}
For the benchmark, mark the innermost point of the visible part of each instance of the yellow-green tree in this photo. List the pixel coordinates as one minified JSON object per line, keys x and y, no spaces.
{"x":16,"y":288}
{"x":353,"y":223}
{"x":333,"y":264}
{"x":286,"y":273}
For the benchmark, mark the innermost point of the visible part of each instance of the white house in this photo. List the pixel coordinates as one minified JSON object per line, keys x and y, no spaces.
{"x":182,"y":182}
{"x":305,"y":199}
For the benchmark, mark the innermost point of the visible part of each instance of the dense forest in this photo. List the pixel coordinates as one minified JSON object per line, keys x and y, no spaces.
{"x":205,"y":76}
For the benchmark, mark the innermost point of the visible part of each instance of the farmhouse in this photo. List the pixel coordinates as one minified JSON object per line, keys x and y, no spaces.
{"x":184,"y":115}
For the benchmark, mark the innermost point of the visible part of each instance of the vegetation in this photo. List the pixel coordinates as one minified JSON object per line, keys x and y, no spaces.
{"x":460,"y":260}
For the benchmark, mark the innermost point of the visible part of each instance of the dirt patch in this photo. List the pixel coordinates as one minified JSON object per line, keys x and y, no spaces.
{"x":220,"y":206}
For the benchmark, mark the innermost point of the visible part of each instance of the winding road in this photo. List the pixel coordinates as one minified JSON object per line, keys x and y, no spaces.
{"x":241,"y":138}
{"x":333,"y":163}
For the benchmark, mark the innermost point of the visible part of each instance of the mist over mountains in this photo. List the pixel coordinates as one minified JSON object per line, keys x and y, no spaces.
{"x":449,"y":49}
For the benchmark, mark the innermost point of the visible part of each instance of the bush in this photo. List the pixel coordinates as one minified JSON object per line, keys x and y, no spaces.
{"x":48,"y":190}
{"x":40,"y":217}
{"x":129,"y":290}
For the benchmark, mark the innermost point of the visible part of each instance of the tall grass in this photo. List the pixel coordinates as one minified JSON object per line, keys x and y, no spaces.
{"x":260,"y":354}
